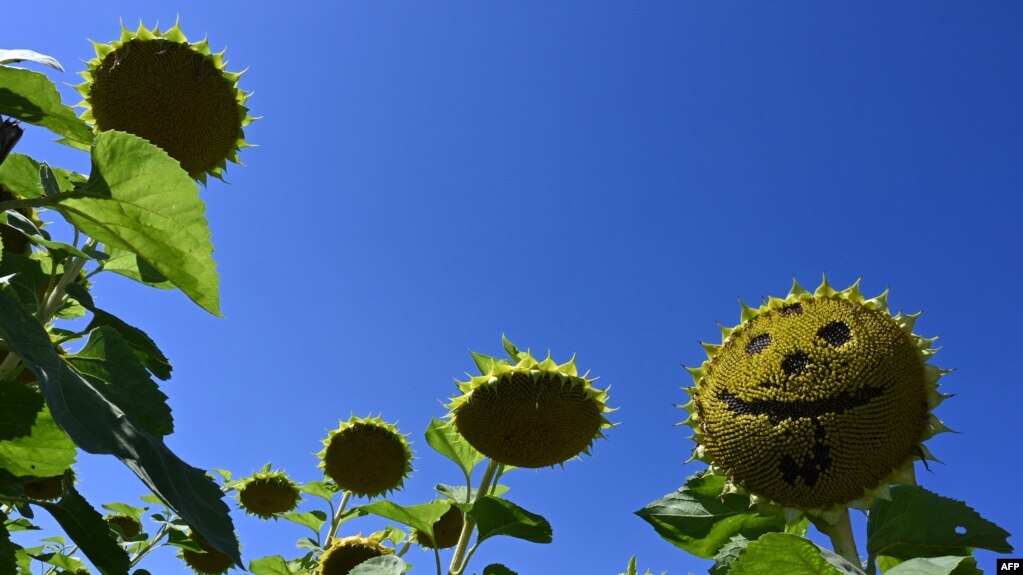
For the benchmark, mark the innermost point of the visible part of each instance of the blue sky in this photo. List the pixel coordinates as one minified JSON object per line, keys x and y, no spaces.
{"x":598,"y":178}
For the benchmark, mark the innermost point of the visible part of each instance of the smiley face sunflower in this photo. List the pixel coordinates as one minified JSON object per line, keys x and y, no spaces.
{"x":816,"y":401}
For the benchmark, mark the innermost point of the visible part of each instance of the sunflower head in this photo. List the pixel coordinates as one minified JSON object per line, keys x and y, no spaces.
{"x":207,"y":562}
{"x":446,"y":530}
{"x":817,"y":401}
{"x":268,"y":493}
{"x":366,"y":456}
{"x":348,"y":552}
{"x":46,"y":488}
{"x":176,"y":94}
{"x":529,"y":413}
{"x":130,"y":527}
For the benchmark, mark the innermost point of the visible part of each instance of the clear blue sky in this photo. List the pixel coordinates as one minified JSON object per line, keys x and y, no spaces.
{"x":599,"y":178}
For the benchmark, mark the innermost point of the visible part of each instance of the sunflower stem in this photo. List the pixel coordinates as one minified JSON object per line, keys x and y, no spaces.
{"x":842,"y":539}
{"x":459,"y":560}
{"x":336,"y":522}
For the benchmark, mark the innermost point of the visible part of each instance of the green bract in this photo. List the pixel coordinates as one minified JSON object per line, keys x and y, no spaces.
{"x":529,"y":413}
{"x":176,"y":95}
{"x":816,"y":401}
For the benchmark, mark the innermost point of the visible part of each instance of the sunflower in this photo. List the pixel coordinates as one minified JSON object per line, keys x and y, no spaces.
{"x":529,"y":413}
{"x":366,"y":456}
{"x":816,"y":402}
{"x":176,"y":94}
{"x":268,"y":493}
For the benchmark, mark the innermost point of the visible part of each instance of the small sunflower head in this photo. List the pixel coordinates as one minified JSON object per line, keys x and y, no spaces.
{"x":347,"y":553}
{"x":46,"y":488}
{"x":817,"y":401}
{"x":366,"y":456}
{"x":529,"y":413}
{"x":268,"y":493}
{"x":129,"y":526}
{"x":446,"y":530}
{"x":209,"y":561}
{"x":177,"y":95}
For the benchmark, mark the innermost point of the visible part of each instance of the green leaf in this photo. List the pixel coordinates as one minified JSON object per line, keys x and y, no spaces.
{"x":139,"y":199}
{"x":20,"y":174}
{"x":20,"y":524}
{"x":498,"y":569}
{"x":98,"y":426}
{"x":937,"y":566}
{"x":273,"y":565}
{"x":776,"y":553}
{"x":46,"y":452}
{"x":109,"y":363}
{"x":125,"y":509}
{"x":323,"y":489}
{"x":445,"y":440}
{"x":919,"y":523}
{"x":29,"y":280}
{"x":9,"y":56}
{"x":312,"y":519}
{"x":420,"y":517}
{"x":495,"y":516}
{"x":19,"y":405}
{"x":700,"y":520}
{"x":383,"y":565}
{"x":31,"y":97}
{"x":145,"y":348}
{"x":88,"y":530}
{"x":727,"y":555}
{"x":8,"y":561}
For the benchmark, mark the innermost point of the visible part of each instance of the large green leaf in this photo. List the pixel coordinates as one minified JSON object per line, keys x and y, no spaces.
{"x":109,"y":363}
{"x":19,"y":405}
{"x":139,"y":199}
{"x":919,"y":523}
{"x":31,"y":97}
{"x":445,"y":440}
{"x":383,"y":565}
{"x":700,"y":520}
{"x":88,"y":530}
{"x":495,"y":516}
{"x":776,"y":553}
{"x":937,"y":566}
{"x":98,"y":426}
{"x":420,"y":517}
{"x":45,"y":452}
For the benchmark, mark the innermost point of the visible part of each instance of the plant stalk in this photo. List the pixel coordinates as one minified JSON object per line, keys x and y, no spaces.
{"x":459,"y":560}
{"x":336,"y":522}
{"x":842,"y":539}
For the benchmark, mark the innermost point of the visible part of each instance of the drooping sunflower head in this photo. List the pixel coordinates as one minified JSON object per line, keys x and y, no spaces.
{"x":366,"y":456}
{"x":446,"y":530}
{"x":129,"y":526}
{"x":347,"y":553}
{"x":817,"y":401}
{"x":177,"y":95}
{"x":529,"y":413}
{"x":209,"y":561}
{"x":268,"y":493}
